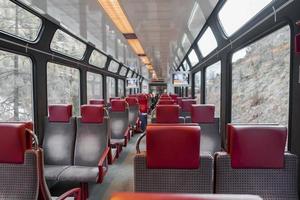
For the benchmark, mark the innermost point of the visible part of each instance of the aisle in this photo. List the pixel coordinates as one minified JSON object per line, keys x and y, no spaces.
{"x":120,"y":175}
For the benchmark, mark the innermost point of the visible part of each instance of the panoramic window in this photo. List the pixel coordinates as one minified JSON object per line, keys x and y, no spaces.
{"x":123,"y":71}
{"x":196,"y":20}
{"x":98,"y":59}
{"x":180,"y":54}
{"x":236,"y":13}
{"x":129,"y":74}
{"x":194,"y":60}
{"x":145,"y":87}
{"x":67,"y":45}
{"x":113,"y":66}
{"x":213,"y":86}
{"x":63,"y":86}
{"x":121,"y":88}
{"x":207,"y":42}
{"x":94,"y":86}
{"x":19,"y":22}
{"x":15,"y":87}
{"x":186,"y":44}
{"x":198,"y":86}
{"x":260,"y":80}
{"x":111,"y":87}
{"x":186,"y":65}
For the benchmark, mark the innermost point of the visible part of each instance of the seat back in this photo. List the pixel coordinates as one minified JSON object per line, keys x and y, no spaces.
{"x":166,"y":102}
{"x":18,"y":164}
{"x":119,"y":118}
{"x":168,"y":114}
{"x":59,"y":135}
{"x":172,"y":162}
{"x":256,"y":163}
{"x":134,"y":110}
{"x":143,"y":101}
{"x":204,"y":115}
{"x":187,"y":106}
{"x":97,"y":102}
{"x":92,"y":135}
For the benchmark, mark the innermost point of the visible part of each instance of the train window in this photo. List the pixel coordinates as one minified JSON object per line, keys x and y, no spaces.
{"x":236,"y":13}
{"x":260,"y":80}
{"x":15,"y":87}
{"x":19,"y":22}
{"x":213,"y":86}
{"x":194,"y":60}
{"x":111,"y":87}
{"x":123,"y":71}
{"x":185,"y":43}
{"x":198,"y":86}
{"x":180,"y":54}
{"x":145,"y":87}
{"x":94,"y":86}
{"x":121,"y":88}
{"x":63,"y":86}
{"x":207,"y":43}
{"x":186,"y":65}
{"x":67,"y":45}
{"x":98,"y":59}
{"x":129,"y":74}
{"x":196,"y":20}
{"x":113,"y":66}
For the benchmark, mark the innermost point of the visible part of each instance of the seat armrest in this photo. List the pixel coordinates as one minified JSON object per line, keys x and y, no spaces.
{"x":75,"y":192}
{"x":101,"y":165}
{"x":126,"y":136}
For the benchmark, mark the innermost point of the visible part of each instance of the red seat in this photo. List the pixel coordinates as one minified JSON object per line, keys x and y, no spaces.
{"x":201,"y":113}
{"x":187,"y":106}
{"x":167,"y":114}
{"x":97,"y":102}
{"x":166,"y":102}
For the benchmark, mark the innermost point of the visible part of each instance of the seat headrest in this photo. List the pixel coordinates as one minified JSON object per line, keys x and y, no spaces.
{"x":97,"y":102}
{"x":118,"y":105}
{"x":166,"y":102}
{"x":167,"y":113}
{"x":257,"y":146}
{"x":173,"y":147}
{"x":187,"y":104}
{"x":201,"y":113}
{"x":92,"y":113}
{"x":132,"y":101}
{"x":12,"y":143}
{"x":60,"y":112}
{"x":113,"y":98}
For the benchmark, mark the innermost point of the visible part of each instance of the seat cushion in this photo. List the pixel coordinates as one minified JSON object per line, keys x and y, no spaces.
{"x":80,"y":174}
{"x":53,"y":171}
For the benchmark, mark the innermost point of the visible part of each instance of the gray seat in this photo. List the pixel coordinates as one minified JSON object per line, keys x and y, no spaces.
{"x":204,"y":115}
{"x":59,"y":140}
{"x":172,"y":163}
{"x":119,"y":119}
{"x":91,"y":147}
{"x":256,"y":163}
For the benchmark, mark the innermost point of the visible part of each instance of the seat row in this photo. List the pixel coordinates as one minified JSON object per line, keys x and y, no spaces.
{"x":255,"y":162}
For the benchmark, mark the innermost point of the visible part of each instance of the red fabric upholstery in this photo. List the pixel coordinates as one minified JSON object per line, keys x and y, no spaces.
{"x":187,"y":104}
{"x":174,"y":96}
{"x":118,"y":105}
{"x":114,"y":98}
{"x":167,"y":113}
{"x":60,"y":113}
{"x":97,"y":101}
{"x":92,"y":113}
{"x":257,"y":146}
{"x":166,"y":102}
{"x":173,"y":124}
{"x":202,"y":113}
{"x":165,"y":98}
{"x":164,"y":95}
{"x":12,"y":143}
{"x":132,"y":101}
{"x":173,"y":147}
{"x":143,"y":101}
{"x":179,"y":101}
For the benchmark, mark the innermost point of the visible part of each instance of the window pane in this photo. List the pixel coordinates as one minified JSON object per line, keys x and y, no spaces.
{"x":145,"y":87}
{"x":113,"y":66}
{"x":94,"y":86}
{"x":186,"y":44}
{"x":180,"y":54}
{"x":15,"y":87}
{"x":193,"y":58}
{"x":207,"y":42}
{"x":121,"y":88}
{"x":196,"y":21}
{"x":186,"y":65}
{"x":98,"y":59}
{"x":18,"y":21}
{"x":198,"y":86}
{"x":260,"y":80}
{"x":111,"y":85}
{"x":213,"y":86}
{"x":236,"y":13}
{"x":67,"y":45}
{"x":63,"y":86}
{"x":123,"y":71}
{"x":129,"y":74}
